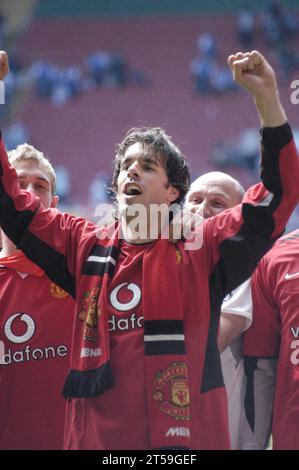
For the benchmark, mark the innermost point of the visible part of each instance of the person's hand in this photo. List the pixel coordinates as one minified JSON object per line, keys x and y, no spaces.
{"x":3,"y":65}
{"x":252,"y":71}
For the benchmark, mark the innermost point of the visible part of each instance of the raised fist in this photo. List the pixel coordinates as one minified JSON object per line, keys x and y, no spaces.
{"x":252,"y":71}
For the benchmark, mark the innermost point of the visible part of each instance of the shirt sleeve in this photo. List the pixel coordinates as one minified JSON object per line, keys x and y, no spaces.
{"x":239,"y":302}
{"x":262,"y":339}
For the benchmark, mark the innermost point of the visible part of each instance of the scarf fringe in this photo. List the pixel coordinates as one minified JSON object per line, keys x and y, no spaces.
{"x":88,"y":384}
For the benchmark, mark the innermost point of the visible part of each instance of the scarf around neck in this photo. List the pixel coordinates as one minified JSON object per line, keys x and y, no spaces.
{"x":166,"y":370}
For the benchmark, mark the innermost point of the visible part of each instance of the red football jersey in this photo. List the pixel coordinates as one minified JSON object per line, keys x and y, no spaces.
{"x":121,"y":414}
{"x":275,"y":333}
{"x":36,"y":318}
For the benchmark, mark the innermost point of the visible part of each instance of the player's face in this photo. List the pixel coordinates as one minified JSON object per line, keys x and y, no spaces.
{"x":142,"y":180}
{"x":211,"y":197}
{"x":34,"y":179}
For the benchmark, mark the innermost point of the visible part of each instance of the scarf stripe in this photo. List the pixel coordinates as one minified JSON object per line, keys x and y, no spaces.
{"x":101,"y":260}
{"x":164,"y":337}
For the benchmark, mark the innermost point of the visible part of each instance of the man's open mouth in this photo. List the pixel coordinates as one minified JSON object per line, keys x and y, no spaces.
{"x":132,"y":189}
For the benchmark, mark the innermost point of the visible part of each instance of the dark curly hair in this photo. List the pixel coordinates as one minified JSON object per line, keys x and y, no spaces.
{"x":167,"y":153}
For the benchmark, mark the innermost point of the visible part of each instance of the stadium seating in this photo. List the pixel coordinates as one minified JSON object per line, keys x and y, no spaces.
{"x":82,"y":134}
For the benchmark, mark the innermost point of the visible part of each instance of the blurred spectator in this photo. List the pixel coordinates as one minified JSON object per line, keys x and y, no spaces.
{"x":208,"y":76}
{"x":222,"y":81}
{"x":246,"y":28}
{"x":207,"y":46}
{"x":60,"y":85}
{"x":15,"y":63}
{"x":203,"y":69}
{"x":98,"y":66}
{"x":15,"y":135}
{"x":118,"y":69}
{"x":107,"y":69}
{"x":278,"y":26}
{"x":63,"y":84}
{"x":63,"y":183}
{"x":242,"y":153}
{"x":219,"y":155}
{"x":68,"y":85}
{"x":45,"y":76}
{"x":98,"y":189}
{"x":280,"y":29}
{"x":288,"y":56}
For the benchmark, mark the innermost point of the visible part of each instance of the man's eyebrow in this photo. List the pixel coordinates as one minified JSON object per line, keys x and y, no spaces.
{"x":41,"y":178}
{"x":143,"y":158}
{"x":215,"y":193}
{"x":195,"y":193}
{"x":219,"y":194}
{"x":148,"y":159}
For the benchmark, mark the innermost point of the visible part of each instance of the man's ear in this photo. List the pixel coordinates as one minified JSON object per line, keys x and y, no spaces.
{"x":173,"y":194}
{"x":54,"y":202}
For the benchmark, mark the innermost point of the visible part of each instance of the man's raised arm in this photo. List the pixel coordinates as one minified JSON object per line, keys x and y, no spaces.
{"x":246,"y":232}
{"x":279,"y":163}
{"x":51,"y":239}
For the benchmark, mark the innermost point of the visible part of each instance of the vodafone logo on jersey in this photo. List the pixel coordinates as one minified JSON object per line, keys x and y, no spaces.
{"x":124,"y":298}
{"x":29,"y":327}
{"x":18,"y":329}
{"x":125,"y":304}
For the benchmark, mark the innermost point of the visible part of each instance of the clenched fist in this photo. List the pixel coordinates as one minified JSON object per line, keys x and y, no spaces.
{"x":252,"y":71}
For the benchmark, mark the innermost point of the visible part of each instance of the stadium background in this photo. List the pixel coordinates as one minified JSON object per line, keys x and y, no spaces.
{"x":158,"y":41}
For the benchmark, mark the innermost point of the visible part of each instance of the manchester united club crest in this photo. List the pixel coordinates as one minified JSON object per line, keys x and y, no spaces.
{"x":90,"y":313}
{"x":171,"y":389}
{"x":57,"y":292}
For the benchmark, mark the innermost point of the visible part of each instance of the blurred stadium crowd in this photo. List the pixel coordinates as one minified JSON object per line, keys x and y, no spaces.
{"x":81,"y":76}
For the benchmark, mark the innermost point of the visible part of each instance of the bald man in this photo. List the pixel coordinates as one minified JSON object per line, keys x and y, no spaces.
{"x":214,"y":192}
{"x":209,"y":195}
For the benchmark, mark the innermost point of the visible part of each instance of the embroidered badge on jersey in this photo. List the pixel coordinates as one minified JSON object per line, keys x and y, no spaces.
{"x":57,"y":292}
{"x":172,"y":391}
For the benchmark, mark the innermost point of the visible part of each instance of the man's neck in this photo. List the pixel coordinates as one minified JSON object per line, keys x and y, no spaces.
{"x":140,"y":232}
{"x":131,"y":238}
